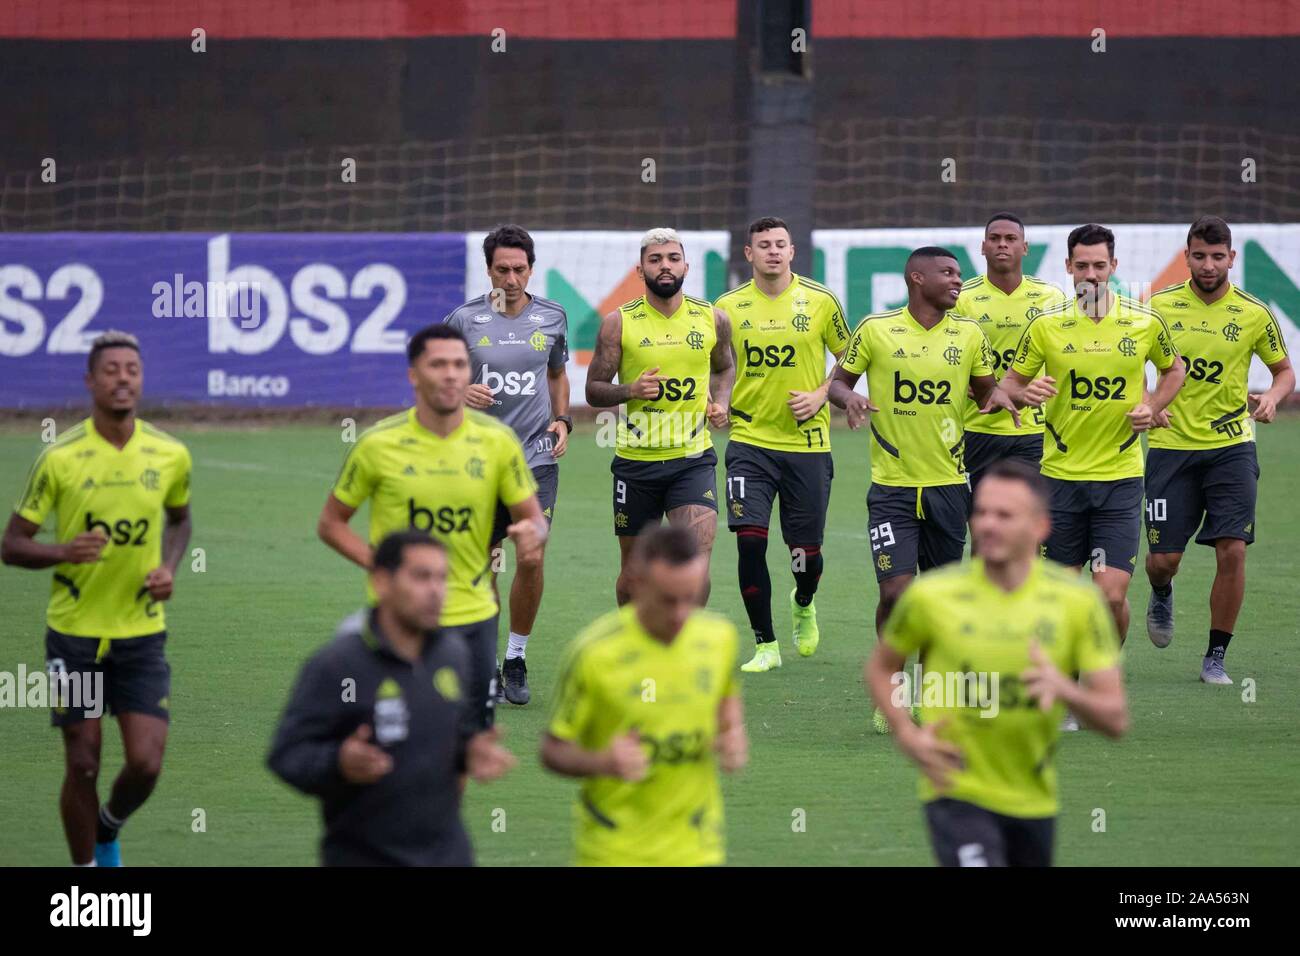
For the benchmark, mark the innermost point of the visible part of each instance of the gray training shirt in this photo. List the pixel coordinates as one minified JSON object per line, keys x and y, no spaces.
{"x":511,"y":356}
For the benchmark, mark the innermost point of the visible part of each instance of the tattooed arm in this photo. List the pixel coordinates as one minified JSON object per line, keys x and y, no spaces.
{"x":722,"y":371}
{"x":601,"y":392}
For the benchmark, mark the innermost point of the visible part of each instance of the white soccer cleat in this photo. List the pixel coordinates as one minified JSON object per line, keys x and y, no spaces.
{"x":767,"y":657}
{"x":1160,"y":618}
{"x":1212,"y":671}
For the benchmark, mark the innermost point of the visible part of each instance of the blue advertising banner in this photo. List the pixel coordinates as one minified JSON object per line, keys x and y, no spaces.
{"x":281,"y":319}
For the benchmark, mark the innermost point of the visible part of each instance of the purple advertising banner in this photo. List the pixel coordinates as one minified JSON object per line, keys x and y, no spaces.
{"x":284,"y":319}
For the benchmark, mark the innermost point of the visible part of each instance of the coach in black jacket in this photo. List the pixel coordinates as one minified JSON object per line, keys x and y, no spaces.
{"x":379,"y":725}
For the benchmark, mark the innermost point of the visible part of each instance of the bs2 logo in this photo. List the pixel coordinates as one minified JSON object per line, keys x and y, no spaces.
{"x":773,"y":356}
{"x":924,"y":391}
{"x":120,"y":532}
{"x":512,"y":383}
{"x":444,"y":520}
{"x":1102,"y":388}
{"x":676,"y":390}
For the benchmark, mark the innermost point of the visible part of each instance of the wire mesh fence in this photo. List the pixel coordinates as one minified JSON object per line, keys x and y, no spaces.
{"x":894,"y":172}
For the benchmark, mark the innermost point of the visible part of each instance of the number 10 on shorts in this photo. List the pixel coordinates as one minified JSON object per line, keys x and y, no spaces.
{"x":1156,"y":509}
{"x":882,"y":536}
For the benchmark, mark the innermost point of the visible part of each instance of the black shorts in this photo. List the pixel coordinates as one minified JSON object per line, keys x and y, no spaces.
{"x":644,"y":491}
{"x":132,"y":676}
{"x":755,"y":476}
{"x":1218,"y":485}
{"x":916,"y":528}
{"x":548,"y":490}
{"x":984,"y":451}
{"x":481,"y":639}
{"x":963,"y":834}
{"x":1098,"y":523}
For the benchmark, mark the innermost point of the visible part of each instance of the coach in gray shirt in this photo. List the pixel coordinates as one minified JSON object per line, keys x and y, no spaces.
{"x":518,"y":346}
{"x":380,"y":726}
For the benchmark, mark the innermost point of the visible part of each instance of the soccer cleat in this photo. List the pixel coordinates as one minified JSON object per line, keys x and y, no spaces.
{"x":878,"y":721}
{"x":1160,"y":618}
{"x":498,"y":687}
{"x":514,"y":676}
{"x":1212,"y":671}
{"x":1069,"y":723}
{"x":806,"y":634}
{"x":767,"y":657}
{"x":108,"y":854}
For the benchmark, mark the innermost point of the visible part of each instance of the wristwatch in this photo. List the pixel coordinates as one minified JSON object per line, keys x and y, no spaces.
{"x":568,"y":422}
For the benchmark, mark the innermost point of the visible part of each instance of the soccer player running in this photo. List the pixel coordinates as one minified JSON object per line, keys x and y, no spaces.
{"x":649,"y":760}
{"x":672,"y":355}
{"x":518,"y":348}
{"x":1201,"y":471}
{"x":782,"y":325}
{"x":1002,"y":632}
{"x":1003,"y":301}
{"x":119,"y":490}
{"x":1093,"y":350}
{"x":441,"y":468}
{"x":388,"y":761}
{"x":919,"y":361}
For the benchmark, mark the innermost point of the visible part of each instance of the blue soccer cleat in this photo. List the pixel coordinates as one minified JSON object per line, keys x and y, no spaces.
{"x":108,"y":854}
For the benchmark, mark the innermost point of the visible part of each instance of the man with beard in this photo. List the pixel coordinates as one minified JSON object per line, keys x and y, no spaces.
{"x":673,"y":358}
{"x":919,"y":361}
{"x":1095,"y":347}
{"x":441,"y":468}
{"x":1203,"y":465}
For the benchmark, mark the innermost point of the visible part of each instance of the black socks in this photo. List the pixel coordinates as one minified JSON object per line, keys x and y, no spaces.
{"x":1218,"y":644}
{"x":755,"y":582}
{"x":107,"y":826}
{"x":806,"y":563}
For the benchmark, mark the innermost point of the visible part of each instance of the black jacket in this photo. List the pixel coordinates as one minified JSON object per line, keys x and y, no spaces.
{"x":417,"y":712}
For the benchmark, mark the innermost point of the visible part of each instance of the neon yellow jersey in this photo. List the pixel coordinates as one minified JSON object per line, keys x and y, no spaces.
{"x":918,"y":380}
{"x":1002,"y":318}
{"x":617,"y":678}
{"x":88,"y":484}
{"x":680,"y":346}
{"x":974,"y":638}
{"x":781,"y":345}
{"x":1100,"y":372}
{"x":448,"y":487}
{"x":1216,"y":342}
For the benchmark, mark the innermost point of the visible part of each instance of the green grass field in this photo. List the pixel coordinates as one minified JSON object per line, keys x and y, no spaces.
{"x":1203,"y":778}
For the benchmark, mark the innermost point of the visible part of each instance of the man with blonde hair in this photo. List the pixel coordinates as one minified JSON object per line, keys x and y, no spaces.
{"x":675,"y":366}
